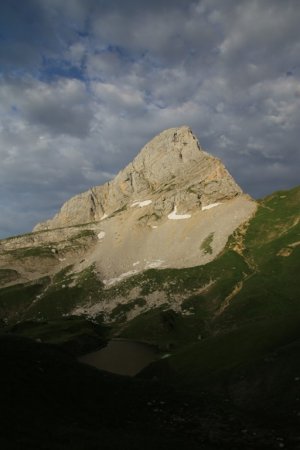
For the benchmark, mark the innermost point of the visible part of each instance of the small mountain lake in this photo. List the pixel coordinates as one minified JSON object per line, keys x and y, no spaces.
{"x":123,"y":357}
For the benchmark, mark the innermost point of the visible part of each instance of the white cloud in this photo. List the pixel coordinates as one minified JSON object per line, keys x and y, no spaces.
{"x":116,"y":96}
{"x":78,"y":104}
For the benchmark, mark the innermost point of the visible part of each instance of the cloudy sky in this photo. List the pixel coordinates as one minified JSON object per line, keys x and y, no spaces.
{"x":84,"y":84}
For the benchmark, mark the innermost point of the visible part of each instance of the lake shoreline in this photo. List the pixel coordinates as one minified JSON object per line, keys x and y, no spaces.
{"x":122,"y":356}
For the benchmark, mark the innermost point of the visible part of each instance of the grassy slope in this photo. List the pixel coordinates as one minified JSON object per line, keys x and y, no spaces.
{"x":251,"y":281}
{"x":14,"y":300}
{"x":274,"y":288}
{"x":65,"y":293}
{"x":75,"y":334}
{"x":248,"y":318}
{"x":212,"y":301}
{"x":202,"y":290}
{"x":254,"y":347}
{"x":48,"y":299}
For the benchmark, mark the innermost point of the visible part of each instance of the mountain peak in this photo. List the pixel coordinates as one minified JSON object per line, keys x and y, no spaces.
{"x":171,"y":171}
{"x":179,"y":142}
{"x":173,"y":206}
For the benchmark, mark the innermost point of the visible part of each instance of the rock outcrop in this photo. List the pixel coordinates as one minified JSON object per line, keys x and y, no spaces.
{"x":171,"y":170}
{"x":174,"y":206}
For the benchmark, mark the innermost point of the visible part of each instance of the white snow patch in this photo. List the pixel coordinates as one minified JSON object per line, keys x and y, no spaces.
{"x":61,"y":259}
{"x":101,"y":235}
{"x":153,"y":264}
{"x":212,"y":205}
{"x":174,"y":216}
{"x":120,"y":278}
{"x":141,"y":204}
{"x":154,"y":226}
{"x":104,"y":217}
{"x":136,"y":263}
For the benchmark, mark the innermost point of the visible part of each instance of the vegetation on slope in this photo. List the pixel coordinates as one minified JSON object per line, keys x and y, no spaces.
{"x":65,"y":293}
{"x":75,"y":334}
{"x":231,"y":327}
{"x":8,"y":275}
{"x":16,"y":299}
{"x":272,"y":245}
{"x":252,"y":351}
{"x":254,"y":278}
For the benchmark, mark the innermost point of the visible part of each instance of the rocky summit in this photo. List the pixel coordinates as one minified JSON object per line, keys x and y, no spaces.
{"x":174,"y":205}
{"x":171,"y":172}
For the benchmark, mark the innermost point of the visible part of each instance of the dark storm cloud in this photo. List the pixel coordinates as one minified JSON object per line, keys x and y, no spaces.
{"x":60,"y":108}
{"x":85,"y":84}
{"x":27,"y":31}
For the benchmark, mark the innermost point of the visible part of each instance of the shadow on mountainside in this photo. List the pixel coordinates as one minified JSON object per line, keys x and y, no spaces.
{"x":50,"y":401}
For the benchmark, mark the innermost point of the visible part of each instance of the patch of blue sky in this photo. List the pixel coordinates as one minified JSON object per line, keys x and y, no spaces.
{"x":14,"y":110}
{"x":59,"y":68}
{"x":82,"y":33}
{"x":122,"y":53}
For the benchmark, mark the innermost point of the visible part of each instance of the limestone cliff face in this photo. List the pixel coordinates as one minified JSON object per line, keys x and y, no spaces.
{"x":172,"y":172}
{"x":173,"y":206}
